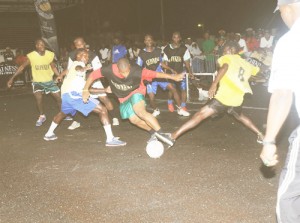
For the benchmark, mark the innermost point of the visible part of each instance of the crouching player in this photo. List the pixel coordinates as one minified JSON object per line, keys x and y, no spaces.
{"x":72,"y":100}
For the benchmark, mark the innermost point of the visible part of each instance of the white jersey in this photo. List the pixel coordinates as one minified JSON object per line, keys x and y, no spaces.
{"x":285,"y":73}
{"x":74,"y":80}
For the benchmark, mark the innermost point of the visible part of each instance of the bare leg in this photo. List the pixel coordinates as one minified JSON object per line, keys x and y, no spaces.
{"x":59,"y":117}
{"x":174,"y":93}
{"x":247,"y":122}
{"x":57,"y":99}
{"x":150,"y":120}
{"x":198,"y":117}
{"x":103,"y":114}
{"x":135,"y":120}
{"x":152,"y":100}
{"x":39,"y":101}
{"x":183,"y":96}
{"x":107,"y":102}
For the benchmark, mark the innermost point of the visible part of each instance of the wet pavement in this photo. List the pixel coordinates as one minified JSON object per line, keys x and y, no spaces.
{"x":212,"y":174}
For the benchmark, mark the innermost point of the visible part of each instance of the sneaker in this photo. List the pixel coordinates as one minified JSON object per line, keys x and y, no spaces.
{"x":260,"y":138}
{"x":152,"y":138}
{"x":50,"y":138}
{"x":156,"y":112}
{"x":182,"y":112}
{"x":74,"y":125}
{"x":184,"y":108}
{"x":68,"y":118}
{"x":115,"y":142}
{"x":115,"y":122}
{"x":171,"y":107}
{"x":41,"y":120}
{"x":166,"y":138}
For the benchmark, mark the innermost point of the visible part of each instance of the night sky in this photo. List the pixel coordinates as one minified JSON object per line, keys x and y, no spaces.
{"x":145,"y":17}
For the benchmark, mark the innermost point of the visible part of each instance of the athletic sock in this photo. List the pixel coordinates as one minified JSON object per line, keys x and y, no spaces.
{"x":108,"y":132}
{"x":170,"y":101}
{"x":183,"y":104}
{"x":51,"y":129}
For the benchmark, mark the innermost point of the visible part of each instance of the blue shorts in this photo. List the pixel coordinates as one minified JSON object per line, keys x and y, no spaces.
{"x":45,"y":87}
{"x":72,"y":102}
{"x":181,"y":84}
{"x":152,"y":88}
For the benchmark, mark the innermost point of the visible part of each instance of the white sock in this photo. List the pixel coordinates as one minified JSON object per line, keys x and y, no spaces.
{"x":108,"y":132}
{"x":51,"y":129}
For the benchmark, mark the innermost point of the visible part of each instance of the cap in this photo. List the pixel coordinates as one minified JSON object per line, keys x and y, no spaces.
{"x":249,"y":29}
{"x":285,"y":2}
{"x":238,"y":34}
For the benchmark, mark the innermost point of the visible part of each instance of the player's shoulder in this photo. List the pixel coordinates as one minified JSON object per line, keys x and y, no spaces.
{"x":49,"y":53}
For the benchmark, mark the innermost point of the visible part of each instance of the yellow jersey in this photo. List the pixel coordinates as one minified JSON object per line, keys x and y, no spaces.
{"x":234,"y":84}
{"x":40,"y":66}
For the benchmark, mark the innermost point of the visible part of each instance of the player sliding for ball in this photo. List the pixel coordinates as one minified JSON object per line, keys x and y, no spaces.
{"x":72,"y":100}
{"x":232,"y":79}
{"x":127,"y":83}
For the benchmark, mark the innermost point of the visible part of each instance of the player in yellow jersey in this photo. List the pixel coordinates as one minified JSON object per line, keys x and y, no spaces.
{"x":232,"y":79}
{"x":43,"y":69}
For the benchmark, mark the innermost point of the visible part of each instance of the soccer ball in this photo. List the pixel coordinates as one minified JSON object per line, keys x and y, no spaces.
{"x":155,"y":149}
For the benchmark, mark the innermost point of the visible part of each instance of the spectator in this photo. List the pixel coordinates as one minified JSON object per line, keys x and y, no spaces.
{"x":195,"y":53}
{"x":8,"y":55}
{"x":266,"y":42}
{"x":242,"y":43}
{"x":118,"y":51}
{"x":251,"y":41}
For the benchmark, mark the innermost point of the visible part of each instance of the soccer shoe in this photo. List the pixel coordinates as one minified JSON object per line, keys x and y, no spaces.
{"x":182,"y":112}
{"x":115,"y":142}
{"x":41,"y":120}
{"x":156,"y":112}
{"x":50,"y":138}
{"x":68,"y":118}
{"x":171,"y":107}
{"x":74,"y":125}
{"x":260,"y":138}
{"x":115,"y":122}
{"x":166,"y":138}
{"x":152,"y":138}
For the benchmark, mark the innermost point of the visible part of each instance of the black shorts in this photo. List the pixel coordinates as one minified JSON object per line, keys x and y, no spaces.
{"x":221,"y":109}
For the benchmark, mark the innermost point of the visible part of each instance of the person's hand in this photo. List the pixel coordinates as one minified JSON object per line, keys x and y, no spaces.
{"x":79,"y":68}
{"x":212,"y":91}
{"x":10,"y":83}
{"x":59,"y":79}
{"x":88,"y":67}
{"x":108,"y":90}
{"x":173,"y":71}
{"x":191,"y":75}
{"x":85,"y":96}
{"x":178,"y":77}
{"x":268,"y":155}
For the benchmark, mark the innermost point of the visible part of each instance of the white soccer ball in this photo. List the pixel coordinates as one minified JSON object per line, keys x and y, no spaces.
{"x":155,"y":149}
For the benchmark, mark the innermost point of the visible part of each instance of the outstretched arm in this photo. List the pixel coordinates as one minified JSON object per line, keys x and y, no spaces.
{"x":19,"y":71}
{"x":93,"y":76}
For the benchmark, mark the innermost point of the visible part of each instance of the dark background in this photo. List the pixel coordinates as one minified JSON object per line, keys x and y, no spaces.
{"x":95,"y":17}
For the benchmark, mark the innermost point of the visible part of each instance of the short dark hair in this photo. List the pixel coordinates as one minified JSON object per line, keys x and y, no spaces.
{"x":232,"y":44}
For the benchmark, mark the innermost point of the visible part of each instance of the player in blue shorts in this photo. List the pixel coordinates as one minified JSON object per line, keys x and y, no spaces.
{"x":72,"y":100}
{"x":176,"y":55}
{"x":151,"y":58}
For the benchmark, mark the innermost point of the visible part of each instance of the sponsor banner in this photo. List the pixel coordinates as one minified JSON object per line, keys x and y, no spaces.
{"x":47,"y":24}
{"x":2,"y":51}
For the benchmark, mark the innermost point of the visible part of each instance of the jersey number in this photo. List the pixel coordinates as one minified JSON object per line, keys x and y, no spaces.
{"x":241,"y":74}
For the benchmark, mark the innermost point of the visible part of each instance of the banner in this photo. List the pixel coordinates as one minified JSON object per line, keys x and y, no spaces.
{"x":47,"y":24}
